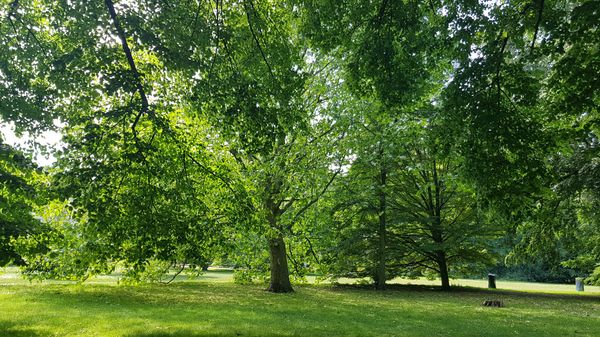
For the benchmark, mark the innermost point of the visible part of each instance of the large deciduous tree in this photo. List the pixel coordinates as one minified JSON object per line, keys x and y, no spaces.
{"x":172,"y":110}
{"x":258,"y":93}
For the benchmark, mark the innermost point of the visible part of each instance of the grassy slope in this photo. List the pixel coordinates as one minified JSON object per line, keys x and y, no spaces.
{"x":209,"y":308}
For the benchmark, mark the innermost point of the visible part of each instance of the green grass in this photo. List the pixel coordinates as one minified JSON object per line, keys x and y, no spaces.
{"x":212,"y":306}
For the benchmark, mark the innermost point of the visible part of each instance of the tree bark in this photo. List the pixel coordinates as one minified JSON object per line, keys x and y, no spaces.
{"x":380,"y":276}
{"x":437,"y":232}
{"x":280,"y":276}
{"x":443,"y":267}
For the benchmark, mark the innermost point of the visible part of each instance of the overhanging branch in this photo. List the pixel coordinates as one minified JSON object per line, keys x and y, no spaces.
{"x":136,"y":74}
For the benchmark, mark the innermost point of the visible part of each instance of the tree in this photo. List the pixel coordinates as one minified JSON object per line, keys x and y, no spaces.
{"x":573,"y":99}
{"x":259,"y":97}
{"x":19,"y":193}
{"x":131,"y":162}
{"x":403,"y":208}
{"x":396,"y":57}
{"x":443,"y":225}
{"x":354,"y":240}
{"x":529,"y":90}
{"x":361,"y":216}
{"x":145,"y":104}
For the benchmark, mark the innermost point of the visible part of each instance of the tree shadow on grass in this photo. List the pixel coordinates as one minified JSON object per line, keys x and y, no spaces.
{"x":9,"y":329}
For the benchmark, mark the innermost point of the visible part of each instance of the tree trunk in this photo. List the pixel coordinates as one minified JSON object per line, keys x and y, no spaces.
{"x":280,"y":275}
{"x":443,"y":267}
{"x":437,"y":232}
{"x":380,"y":276}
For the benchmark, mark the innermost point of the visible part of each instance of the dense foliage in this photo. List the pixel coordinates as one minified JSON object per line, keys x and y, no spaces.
{"x":20,"y":184}
{"x":366,"y":138}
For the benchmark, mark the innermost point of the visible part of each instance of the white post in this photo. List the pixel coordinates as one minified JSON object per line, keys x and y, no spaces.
{"x":579,"y":284}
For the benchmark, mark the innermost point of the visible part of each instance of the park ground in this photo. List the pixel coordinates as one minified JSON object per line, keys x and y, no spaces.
{"x":213,"y":306}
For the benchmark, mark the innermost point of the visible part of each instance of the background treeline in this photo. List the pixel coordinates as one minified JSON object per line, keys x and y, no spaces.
{"x":363,"y":138}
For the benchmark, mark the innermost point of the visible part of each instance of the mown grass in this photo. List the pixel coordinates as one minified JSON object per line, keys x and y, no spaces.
{"x":211,"y":308}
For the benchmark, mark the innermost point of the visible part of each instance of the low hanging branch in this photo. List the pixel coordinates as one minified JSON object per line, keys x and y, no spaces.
{"x":176,"y":273}
{"x":295,"y":263}
{"x":145,"y":109}
{"x":312,"y":251}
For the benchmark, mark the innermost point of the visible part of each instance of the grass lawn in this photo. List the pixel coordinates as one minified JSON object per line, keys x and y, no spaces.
{"x":212,"y":306}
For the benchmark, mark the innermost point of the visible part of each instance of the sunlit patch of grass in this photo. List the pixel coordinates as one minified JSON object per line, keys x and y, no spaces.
{"x":10,"y":275}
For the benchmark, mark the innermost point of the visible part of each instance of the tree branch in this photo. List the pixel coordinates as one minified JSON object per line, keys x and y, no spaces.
{"x":136,"y":74}
{"x":13,"y":13}
{"x":499,"y":64}
{"x":249,"y":5}
{"x":176,"y":273}
{"x":312,"y":251}
{"x":315,"y":199}
{"x":537,"y":25}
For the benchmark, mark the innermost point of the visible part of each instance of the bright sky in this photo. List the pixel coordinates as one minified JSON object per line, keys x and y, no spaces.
{"x":50,"y":139}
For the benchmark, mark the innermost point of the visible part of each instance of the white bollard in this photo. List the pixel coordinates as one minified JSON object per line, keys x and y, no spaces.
{"x":579,"y":284}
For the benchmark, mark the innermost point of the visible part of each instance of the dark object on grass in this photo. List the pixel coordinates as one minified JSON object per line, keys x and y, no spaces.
{"x":492,"y":281}
{"x":493,"y":303}
{"x":579,"y":284}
